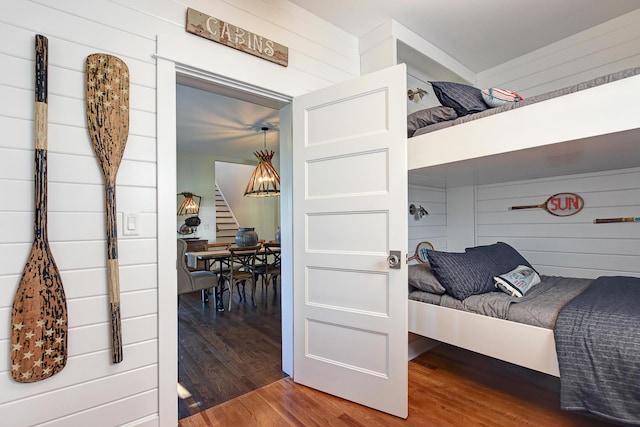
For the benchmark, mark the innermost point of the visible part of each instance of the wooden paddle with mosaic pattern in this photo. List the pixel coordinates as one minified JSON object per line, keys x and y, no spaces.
{"x":108,"y":123}
{"x":39,"y":312}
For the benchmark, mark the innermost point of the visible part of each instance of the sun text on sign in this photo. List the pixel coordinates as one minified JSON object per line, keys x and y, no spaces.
{"x":565,"y":204}
{"x":238,"y":38}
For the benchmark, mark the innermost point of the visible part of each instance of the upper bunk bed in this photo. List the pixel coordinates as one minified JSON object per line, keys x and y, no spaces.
{"x":592,"y":126}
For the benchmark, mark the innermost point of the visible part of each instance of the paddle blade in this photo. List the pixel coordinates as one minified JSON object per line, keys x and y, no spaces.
{"x":38,"y":319}
{"x":107,"y":97}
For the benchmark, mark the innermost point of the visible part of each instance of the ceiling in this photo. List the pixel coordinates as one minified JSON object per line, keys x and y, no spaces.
{"x":480,"y":34}
{"x":230,"y":129}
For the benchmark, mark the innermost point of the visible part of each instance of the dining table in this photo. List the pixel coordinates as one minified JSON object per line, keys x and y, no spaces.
{"x":222,"y":256}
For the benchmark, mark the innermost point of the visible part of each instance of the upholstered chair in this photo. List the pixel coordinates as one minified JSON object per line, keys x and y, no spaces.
{"x":192,"y":281}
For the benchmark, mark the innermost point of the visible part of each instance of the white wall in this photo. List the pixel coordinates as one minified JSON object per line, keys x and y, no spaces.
{"x":604,"y":49}
{"x":91,"y":390}
{"x":433,"y":227}
{"x":573,"y":245}
{"x":261,"y":213}
{"x":564,"y":246}
{"x":196,"y":174}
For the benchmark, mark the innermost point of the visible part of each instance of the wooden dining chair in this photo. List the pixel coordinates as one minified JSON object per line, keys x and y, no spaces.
{"x":242,"y":264}
{"x":219,"y":267}
{"x":269,"y":269}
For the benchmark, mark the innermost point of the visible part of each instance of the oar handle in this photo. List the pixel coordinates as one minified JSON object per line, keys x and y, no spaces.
{"x":42,"y":66}
{"x":113,"y":275}
{"x":610,"y":220}
{"x":41,"y":120}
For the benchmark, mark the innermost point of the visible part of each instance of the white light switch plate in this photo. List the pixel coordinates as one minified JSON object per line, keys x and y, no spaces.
{"x":130,"y":224}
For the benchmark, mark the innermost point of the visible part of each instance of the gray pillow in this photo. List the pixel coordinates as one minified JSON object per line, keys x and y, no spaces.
{"x":503,"y":256}
{"x":421,"y":277}
{"x":463,"y":274}
{"x":464,"y":99}
{"x":429,"y":116}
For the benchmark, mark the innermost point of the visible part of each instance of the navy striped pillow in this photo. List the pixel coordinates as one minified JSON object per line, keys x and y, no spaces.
{"x":463,"y":274}
{"x":464,"y":99}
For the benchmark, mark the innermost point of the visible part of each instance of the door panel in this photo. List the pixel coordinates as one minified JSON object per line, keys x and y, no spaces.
{"x":335,"y":176}
{"x":349,"y":211}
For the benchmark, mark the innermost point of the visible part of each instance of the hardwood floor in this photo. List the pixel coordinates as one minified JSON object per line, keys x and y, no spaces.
{"x":447,"y":387}
{"x":222,"y":355}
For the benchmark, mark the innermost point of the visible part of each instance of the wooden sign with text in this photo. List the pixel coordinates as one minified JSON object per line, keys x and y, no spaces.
{"x":229,"y":35}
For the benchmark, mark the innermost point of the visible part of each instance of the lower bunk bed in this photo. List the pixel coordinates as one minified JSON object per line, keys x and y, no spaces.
{"x":584,"y":331}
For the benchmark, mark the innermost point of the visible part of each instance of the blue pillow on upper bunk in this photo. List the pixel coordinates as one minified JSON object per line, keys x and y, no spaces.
{"x":464,"y":99}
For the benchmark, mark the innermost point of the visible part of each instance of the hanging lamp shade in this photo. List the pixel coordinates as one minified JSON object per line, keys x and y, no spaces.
{"x":265,"y":180}
{"x":189,"y":205}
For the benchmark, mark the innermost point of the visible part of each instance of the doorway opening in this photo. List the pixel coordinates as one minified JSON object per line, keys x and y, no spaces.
{"x":222,"y":355}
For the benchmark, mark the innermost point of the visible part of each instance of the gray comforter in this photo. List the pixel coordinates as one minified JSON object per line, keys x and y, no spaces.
{"x":532,"y":100}
{"x":598,"y":344}
{"x":539,"y":307}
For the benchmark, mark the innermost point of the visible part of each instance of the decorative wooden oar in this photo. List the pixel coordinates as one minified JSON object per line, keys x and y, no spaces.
{"x":39,"y":312}
{"x":108,"y":124}
{"x":560,"y":204}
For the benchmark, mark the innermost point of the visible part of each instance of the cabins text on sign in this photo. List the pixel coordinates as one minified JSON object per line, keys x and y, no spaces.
{"x":238,"y":38}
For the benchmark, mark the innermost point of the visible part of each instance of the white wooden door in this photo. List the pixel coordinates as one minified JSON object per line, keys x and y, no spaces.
{"x":349,"y":211}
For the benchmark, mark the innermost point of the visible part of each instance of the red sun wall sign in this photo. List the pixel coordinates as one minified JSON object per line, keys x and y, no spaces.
{"x":560,"y":204}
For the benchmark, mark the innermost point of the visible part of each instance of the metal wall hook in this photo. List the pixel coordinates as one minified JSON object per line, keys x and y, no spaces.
{"x":418,"y":212}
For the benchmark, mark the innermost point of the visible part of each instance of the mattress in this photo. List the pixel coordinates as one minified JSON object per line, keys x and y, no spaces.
{"x":539,"y":307}
{"x":532,"y":100}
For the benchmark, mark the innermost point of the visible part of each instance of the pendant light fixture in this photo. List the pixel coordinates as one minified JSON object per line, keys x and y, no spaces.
{"x":265,"y":181}
{"x":189,"y":205}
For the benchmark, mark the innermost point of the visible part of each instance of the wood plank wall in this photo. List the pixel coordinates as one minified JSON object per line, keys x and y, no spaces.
{"x":567,"y":246}
{"x":563,"y":246}
{"x":76,"y":220}
{"x":91,"y":390}
{"x":433,"y":227}
{"x":606,"y":48}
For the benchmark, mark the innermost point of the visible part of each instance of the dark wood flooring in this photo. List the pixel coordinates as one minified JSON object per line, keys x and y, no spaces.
{"x":448,"y":387}
{"x":223,"y":355}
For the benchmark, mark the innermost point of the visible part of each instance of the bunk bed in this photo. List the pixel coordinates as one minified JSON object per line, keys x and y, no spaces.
{"x":594,"y":119}
{"x":587,"y":128}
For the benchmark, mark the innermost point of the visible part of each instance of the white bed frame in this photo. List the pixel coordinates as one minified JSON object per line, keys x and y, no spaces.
{"x":590,"y":127}
{"x":523,"y":345}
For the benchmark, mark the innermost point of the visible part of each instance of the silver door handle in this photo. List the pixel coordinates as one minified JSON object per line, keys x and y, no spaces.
{"x":394,"y":259}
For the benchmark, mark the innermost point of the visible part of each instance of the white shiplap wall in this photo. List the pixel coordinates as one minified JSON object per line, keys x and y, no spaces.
{"x":606,"y":48}
{"x":76,"y":219}
{"x":433,"y":227}
{"x":567,"y":246}
{"x":91,"y":390}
